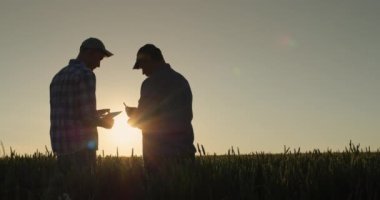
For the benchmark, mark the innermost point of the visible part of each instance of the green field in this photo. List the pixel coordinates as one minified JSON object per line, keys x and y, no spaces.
{"x":351,"y":174}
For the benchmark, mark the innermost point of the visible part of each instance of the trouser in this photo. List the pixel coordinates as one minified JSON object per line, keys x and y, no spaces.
{"x":84,"y":160}
{"x":71,"y":167}
{"x":161,"y":151}
{"x":156,"y":160}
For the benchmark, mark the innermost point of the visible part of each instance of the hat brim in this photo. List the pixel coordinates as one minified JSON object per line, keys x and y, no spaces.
{"x":136,"y":66}
{"x":107,"y":53}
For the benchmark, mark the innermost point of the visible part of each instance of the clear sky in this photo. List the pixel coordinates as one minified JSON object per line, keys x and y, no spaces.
{"x":264,"y":73}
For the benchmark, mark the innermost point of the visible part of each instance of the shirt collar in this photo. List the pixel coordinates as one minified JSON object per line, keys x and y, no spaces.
{"x":75,"y":62}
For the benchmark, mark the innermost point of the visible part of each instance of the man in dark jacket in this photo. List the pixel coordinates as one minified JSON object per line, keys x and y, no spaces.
{"x":164,"y":111}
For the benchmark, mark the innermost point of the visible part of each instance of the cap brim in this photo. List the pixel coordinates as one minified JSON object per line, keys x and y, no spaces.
{"x":107,"y":53}
{"x":136,"y":66}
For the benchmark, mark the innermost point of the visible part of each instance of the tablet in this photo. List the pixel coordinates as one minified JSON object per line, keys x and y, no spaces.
{"x":113,"y":114}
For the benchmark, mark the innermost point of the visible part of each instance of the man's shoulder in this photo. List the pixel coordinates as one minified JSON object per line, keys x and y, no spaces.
{"x":80,"y":69}
{"x":148,"y":82}
{"x":178,"y":77}
{"x":175,"y":74}
{"x":61,"y":74}
{"x":75,"y":72}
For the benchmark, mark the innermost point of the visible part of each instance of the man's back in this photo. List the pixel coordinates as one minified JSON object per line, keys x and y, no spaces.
{"x":72,"y":105}
{"x":166,"y":101}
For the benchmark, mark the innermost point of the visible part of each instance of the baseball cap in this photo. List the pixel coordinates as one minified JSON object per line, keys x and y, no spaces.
{"x":151,"y":50}
{"x":95,"y":43}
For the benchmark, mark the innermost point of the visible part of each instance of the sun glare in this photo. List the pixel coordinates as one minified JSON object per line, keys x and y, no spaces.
{"x":124,"y":137}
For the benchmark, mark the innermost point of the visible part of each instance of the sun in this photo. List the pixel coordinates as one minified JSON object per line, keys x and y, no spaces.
{"x":123,"y":137}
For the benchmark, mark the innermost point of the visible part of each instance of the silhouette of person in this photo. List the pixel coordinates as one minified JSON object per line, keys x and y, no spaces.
{"x":73,"y":115}
{"x":164,"y":111}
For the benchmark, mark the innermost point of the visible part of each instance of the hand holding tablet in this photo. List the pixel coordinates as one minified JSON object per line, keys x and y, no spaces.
{"x":130,"y":110}
{"x":103,"y":111}
{"x":113,"y":114}
{"x":106,"y":113}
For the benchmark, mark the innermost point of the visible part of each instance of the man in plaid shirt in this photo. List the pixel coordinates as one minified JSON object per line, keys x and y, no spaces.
{"x":73,"y":115}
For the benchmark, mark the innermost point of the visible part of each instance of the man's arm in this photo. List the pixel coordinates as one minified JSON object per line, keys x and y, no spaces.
{"x":141,"y":117}
{"x":87,"y":103}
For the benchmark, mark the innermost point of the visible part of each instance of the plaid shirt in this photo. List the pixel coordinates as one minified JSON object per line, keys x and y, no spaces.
{"x":73,"y":115}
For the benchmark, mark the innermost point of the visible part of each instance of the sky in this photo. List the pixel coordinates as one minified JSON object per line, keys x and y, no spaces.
{"x":264,"y":73}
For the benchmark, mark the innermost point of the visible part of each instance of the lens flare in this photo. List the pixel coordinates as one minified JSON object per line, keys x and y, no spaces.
{"x":288,"y":41}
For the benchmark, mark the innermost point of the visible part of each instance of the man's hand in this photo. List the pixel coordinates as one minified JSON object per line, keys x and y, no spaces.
{"x":102,"y":112}
{"x":130,"y":110}
{"x":107,"y":122}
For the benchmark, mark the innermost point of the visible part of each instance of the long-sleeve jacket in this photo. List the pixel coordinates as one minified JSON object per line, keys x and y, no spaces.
{"x":165,"y":113}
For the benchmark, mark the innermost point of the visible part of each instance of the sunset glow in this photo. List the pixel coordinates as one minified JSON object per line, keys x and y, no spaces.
{"x":263,"y":74}
{"x":122,"y":137}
